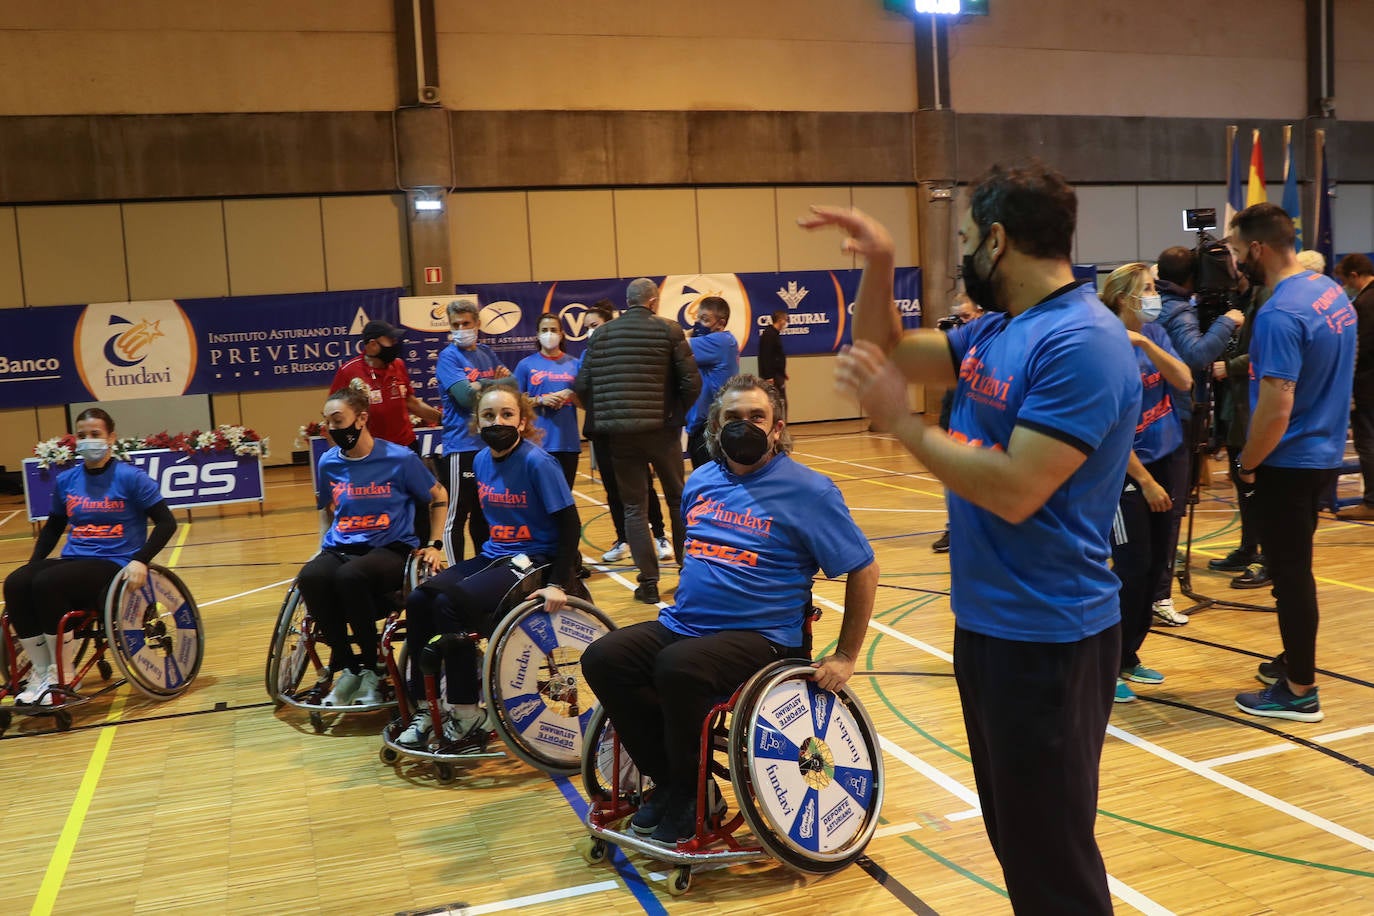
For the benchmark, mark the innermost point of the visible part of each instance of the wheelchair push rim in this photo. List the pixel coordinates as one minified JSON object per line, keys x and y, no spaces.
{"x":155,"y":634}
{"x":807,"y":769}
{"x":533,"y":679}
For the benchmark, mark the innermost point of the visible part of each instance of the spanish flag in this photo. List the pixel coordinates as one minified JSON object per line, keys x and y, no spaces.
{"x":1255,"y":192}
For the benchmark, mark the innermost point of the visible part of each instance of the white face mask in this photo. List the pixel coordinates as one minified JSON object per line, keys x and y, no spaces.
{"x":592,"y":331}
{"x":465,"y":338}
{"x":1149,"y":308}
{"x":549,"y":340}
{"x":92,"y":450}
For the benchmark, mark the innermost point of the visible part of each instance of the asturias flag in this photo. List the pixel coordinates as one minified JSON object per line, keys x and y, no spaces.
{"x":1292,"y":204}
{"x":1235,"y":192}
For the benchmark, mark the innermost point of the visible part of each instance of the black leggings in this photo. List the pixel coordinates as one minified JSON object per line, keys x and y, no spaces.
{"x":601,"y":449}
{"x":342,"y":591}
{"x":568,"y":462}
{"x":37,"y":594}
{"x":463,"y":507}
{"x":461,"y":599}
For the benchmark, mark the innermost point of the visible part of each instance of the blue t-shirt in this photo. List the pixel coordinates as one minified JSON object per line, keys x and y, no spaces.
{"x":717,"y":356}
{"x":1063,"y":368}
{"x":754,"y":544}
{"x":537,"y":374}
{"x":1159,"y":430}
{"x":107,"y":512}
{"x":476,"y":365}
{"x":374,"y":498}
{"x":519,"y":495}
{"x":1305,"y":333}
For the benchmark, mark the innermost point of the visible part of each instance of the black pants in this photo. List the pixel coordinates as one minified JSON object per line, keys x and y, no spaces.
{"x":37,"y":594}
{"x":657,"y":687}
{"x":568,"y":462}
{"x":344,"y":591}
{"x":1362,"y":430}
{"x":1036,"y":715}
{"x":632,"y":454}
{"x":1245,"y":505}
{"x":1179,"y":486}
{"x":601,"y":448}
{"x":1286,"y":501}
{"x":463,"y":507}
{"x":461,"y":599}
{"x":696,"y":447}
{"x":1142,"y":554}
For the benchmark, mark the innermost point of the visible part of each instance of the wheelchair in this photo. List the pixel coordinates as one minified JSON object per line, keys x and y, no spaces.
{"x":532,"y":691}
{"x":804,"y":764}
{"x":295,"y":650}
{"x":153,"y":634}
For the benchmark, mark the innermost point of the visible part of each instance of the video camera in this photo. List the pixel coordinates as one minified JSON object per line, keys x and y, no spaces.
{"x":1216,"y":281}
{"x":949,"y":322}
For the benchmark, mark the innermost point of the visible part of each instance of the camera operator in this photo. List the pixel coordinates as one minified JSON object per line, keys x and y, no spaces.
{"x":1302,"y":367}
{"x":961,"y":313}
{"x":1180,"y":317}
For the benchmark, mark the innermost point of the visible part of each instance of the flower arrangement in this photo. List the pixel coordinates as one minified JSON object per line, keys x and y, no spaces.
{"x":240,"y":440}
{"x":308,"y":432}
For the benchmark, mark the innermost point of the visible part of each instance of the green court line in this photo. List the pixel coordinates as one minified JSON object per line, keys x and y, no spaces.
{"x":956,"y":867}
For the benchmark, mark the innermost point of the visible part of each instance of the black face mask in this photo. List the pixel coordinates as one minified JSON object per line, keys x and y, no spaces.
{"x":388,"y":355}
{"x":743,"y":442}
{"x":347,"y":437}
{"x":1253,"y":271}
{"x":700,"y":329}
{"x":980,"y":289}
{"x":500,"y":438}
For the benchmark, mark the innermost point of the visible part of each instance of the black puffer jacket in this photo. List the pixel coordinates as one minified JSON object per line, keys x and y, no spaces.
{"x":638,"y":375}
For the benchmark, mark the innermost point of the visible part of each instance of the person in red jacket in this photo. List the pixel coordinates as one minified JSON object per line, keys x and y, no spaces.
{"x":392,"y":398}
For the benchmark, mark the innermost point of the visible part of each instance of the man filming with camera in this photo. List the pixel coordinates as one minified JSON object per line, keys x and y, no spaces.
{"x":1302,"y":366}
{"x":961,"y":313}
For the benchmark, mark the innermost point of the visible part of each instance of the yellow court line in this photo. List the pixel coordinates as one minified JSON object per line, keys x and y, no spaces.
{"x":76,"y":817}
{"x":1322,"y":579}
{"x":879,"y":483}
{"x":71,"y":830}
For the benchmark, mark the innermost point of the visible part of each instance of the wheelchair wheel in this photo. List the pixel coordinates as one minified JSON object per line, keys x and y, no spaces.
{"x":599,"y":773}
{"x":290,"y":653}
{"x":155,"y":633}
{"x":532,"y":673}
{"x":807,"y":769}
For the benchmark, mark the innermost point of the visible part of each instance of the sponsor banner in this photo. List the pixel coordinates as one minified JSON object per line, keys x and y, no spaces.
{"x":429,"y":438}
{"x":187,"y":479}
{"x":111,"y":351}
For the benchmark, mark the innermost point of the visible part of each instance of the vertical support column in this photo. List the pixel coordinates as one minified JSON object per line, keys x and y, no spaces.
{"x":424,"y":148}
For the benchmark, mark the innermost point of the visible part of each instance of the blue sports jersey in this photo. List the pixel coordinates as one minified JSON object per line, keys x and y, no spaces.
{"x":537,"y":374}
{"x":717,"y":356}
{"x":1305,"y":333}
{"x":1063,"y":368}
{"x":375,"y":498}
{"x":519,"y":495}
{"x":476,"y":365}
{"x":754,"y":545}
{"x":107,"y":512}
{"x":1159,"y":430}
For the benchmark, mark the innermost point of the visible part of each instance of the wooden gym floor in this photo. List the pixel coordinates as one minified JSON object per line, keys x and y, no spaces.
{"x":215,"y":802}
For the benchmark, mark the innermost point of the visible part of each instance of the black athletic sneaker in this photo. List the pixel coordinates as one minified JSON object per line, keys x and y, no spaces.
{"x":1235,"y":561}
{"x":679,"y":821}
{"x":647,"y":592}
{"x":1274,"y":671}
{"x":1256,"y":575}
{"x":650,"y":813}
{"x":941,"y":544}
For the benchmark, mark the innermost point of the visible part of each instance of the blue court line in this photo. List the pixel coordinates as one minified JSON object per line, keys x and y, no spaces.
{"x":623,"y":867}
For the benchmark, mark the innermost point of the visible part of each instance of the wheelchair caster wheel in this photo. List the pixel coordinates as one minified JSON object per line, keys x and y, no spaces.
{"x":389,"y":755}
{"x":105,"y":669}
{"x":443,"y":773}
{"x":316,"y":721}
{"x":593,"y":850}
{"x":680,"y":881}
{"x":64,"y":720}
{"x":6,"y":717}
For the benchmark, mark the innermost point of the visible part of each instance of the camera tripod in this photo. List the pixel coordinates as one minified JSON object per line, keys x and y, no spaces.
{"x":1197,"y":463}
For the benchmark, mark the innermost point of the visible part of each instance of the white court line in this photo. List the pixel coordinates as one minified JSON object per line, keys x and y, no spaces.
{"x":1284,"y":748}
{"x":8,"y":517}
{"x":897,"y":829}
{"x":1121,"y":889}
{"x":533,"y":899}
{"x":261,"y":588}
{"x":868,"y":509}
{"x":970,"y":814}
{"x":869,"y":467}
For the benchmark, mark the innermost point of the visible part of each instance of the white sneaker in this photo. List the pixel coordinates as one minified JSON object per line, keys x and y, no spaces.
{"x":369,"y":690}
{"x":416,"y":734}
{"x":345,"y":686}
{"x":1164,"y":610}
{"x":619,"y":551}
{"x":665,"y":548}
{"x":40,"y":679}
{"x":55,"y":696}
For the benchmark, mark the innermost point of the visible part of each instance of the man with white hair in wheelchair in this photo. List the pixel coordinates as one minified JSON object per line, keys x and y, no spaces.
{"x":758,"y":528}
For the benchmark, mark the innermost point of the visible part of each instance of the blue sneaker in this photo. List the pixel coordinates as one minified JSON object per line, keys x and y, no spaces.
{"x":650,"y":813}
{"x":1142,"y":675}
{"x":1124,"y":693}
{"x":1278,"y":702}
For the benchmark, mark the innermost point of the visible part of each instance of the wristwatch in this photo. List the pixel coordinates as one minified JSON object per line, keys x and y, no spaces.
{"x":1243,"y":471}
{"x":437,"y":545}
